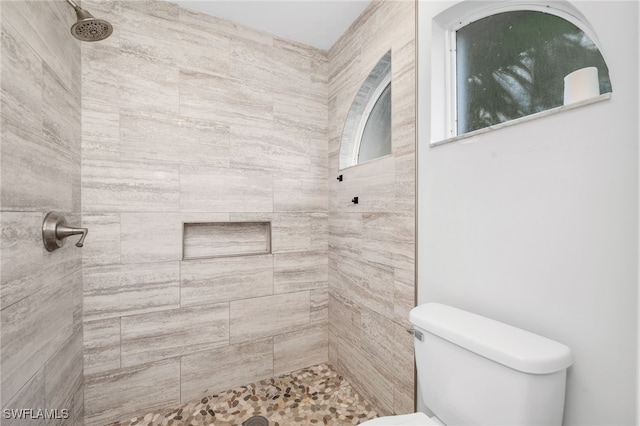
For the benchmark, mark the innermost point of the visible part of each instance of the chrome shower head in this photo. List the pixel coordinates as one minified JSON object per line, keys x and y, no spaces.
{"x":88,"y":28}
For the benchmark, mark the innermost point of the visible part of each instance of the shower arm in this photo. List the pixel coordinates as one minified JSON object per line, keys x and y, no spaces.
{"x":74,"y":4}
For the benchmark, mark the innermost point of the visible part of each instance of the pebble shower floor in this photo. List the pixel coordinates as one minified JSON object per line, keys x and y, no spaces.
{"x":315,"y":395}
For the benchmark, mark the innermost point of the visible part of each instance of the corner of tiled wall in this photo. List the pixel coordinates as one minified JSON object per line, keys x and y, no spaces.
{"x":372,"y":244}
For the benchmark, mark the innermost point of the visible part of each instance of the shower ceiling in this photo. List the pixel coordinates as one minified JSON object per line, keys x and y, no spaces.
{"x":318,"y":23}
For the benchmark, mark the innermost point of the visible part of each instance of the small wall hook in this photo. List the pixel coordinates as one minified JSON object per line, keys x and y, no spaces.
{"x":355,"y":200}
{"x":339,"y":178}
{"x":55,"y":230}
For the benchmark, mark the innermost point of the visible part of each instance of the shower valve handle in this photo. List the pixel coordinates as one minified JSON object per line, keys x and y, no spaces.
{"x":55,"y":230}
{"x":64,"y":231}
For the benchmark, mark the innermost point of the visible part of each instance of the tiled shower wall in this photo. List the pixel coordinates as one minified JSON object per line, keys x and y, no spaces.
{"x":371,"y":244}
{"x":41,"y":292}
{"x":190,"y":118}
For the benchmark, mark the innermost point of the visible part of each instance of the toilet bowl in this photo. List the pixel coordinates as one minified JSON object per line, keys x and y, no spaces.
{"x":415,"y":419}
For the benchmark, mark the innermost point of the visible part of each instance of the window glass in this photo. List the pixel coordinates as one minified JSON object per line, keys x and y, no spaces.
{"x":513,"y":64}
{"x":367,"y":129}
{"x":376,"y":136}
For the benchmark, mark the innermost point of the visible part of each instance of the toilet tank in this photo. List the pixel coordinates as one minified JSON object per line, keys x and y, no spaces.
{"x":473,"y":370}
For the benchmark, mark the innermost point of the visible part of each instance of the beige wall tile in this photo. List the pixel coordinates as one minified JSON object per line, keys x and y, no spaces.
{"x":110,"y":186}
{"x":103,"y":240}
{"x":31,"y":395}
{"x":204,"y":373}
{"x":290,"y":232}
{"x":101,"y":345}
{"x":159,"y":335}
{"x":32,"y":331}
{"x":319,"y":299}
{"x":170,"y":139}
{"x":299,"y":193}
{"x":150,"y":237}
{"x":115,"y":290}
{"x":369,"y":377}
{"x":300,"y":349}
{"x":63,"y":374}
{"x":261,"y":317}
{"x":120,"y":395}
{"x":299,"y":271}
{"x":225,"y":190}
{"x":100,"y":130}
{"x":224,"y":99}
{"x":221,"y":280}
{"x":36,"y":174}
{"x":22,"y":256}
{"x":344,"y":319}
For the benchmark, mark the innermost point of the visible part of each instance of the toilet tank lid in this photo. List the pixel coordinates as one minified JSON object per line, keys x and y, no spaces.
{"x":511,"y":346}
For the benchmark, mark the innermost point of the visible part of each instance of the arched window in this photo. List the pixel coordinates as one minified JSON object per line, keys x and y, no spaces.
{"x":367,"y":131}
{"x":504,"y":61}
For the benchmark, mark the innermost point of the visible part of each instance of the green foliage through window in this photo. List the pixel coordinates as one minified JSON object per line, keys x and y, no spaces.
{"x":513,"y":64}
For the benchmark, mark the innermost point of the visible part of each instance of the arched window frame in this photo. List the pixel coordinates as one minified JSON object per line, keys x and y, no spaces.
{"x":446,"y":24}
{"x":362,"y":106}
{"x":375,"y":97}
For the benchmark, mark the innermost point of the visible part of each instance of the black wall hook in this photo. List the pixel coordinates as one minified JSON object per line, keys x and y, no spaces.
{"x":355,"y":200}
{"x":339,"y":178}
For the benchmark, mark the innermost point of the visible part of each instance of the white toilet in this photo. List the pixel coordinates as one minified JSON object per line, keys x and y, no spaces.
{"x":473,"y":370}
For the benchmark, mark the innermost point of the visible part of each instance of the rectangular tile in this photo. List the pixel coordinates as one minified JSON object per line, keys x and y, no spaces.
{"x":208,"y":372}
{"x":109,"y":186}
{"x":36,"y":174}
{"x":221,"y":280}
{"x":276,"y":150}
{"x":21,"y":79}
{"x":30,"y":396}
{"x":300,"y":349}
{"x":116,"y":290}
{"x":319,"y":299}
{"x":175,"y":44}
{"x":100,"y":130}
{"x":345,"y":318}
{"x":122,"y":394}
{"x":159,"y":335}
{"x":101,"y":345}
{"x":374,"y":185}
{"x":148,"y":86}
{"x":61,"y":125}
{"x":222,"y":239}
{"x":300,"y":115}
{"x":225,"y":100}
{"x":235,"y":190}
{"x":299,"y":271}
{"x":103,"y":240}
{"x":300,"y":193}
{"x":319,"y":232}
{"x":291,"y":232}
{"x":63,"y":374}
{"x":150,"y":237}
{"x":32,"y":330}
{"x":261,"y":317}
{"x":367,"y":284}
{"x":22,"y":255}
{"x":171,"y":139}
{"x":345,"y":233}
{"x":371,"y":379}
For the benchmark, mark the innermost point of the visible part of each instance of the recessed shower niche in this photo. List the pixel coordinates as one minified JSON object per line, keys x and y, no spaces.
{"x":367,"y":129}
{"x":224,"y":239}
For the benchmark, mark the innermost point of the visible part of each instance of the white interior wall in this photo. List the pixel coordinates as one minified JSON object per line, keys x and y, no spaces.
{"x":536,"y":224}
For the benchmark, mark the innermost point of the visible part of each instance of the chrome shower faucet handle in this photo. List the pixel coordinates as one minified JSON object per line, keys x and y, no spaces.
{"x":55,"y":230}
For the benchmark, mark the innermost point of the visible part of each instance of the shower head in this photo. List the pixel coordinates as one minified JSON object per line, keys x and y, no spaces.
{"x":88,"y":28}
